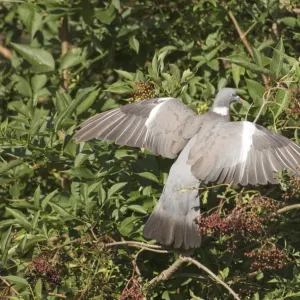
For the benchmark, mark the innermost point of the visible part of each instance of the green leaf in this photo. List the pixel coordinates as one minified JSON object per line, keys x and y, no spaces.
{"x":127,"y":225}
{"x":283,"y":98}
{"x":115,"y":188}
{"x":22,"y":85}
{"x":106,"y":15}
{"x":290,"y":21}
{"x":38,"y":82}
{"x":20,"y":218}
{"x":41,"y":60}
{"x":257,"y":57}
{"x":277,"y":59}
{"x":80,"y":96}
{"x":62,"y":212}
{"x":45,"y":201}
{"x":149,"y":176}
{"x":37,"y":196}
{"x":137,"y":208}
{"x":30,"y":16}
{"x":134,"y":43}
{"x":38,"y":289}
{"x":237,"y":71}
{"x":63,"y":100}
{"x":244,"y":62}
{"x":72,"y":58}
{"x":256,"y":91}
{"x":16,"y":279}
{"x":12,"y":164}
{"x":5,"y":239}
{"x":125,"y":74}
{"x":119,"y":88}
{"x":87,"y":101}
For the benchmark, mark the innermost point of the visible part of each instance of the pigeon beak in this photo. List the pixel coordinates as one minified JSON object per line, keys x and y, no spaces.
{"x":238,"y":99}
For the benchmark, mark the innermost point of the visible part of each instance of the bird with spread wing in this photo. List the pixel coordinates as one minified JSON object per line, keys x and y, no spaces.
{"x":211,"y":148}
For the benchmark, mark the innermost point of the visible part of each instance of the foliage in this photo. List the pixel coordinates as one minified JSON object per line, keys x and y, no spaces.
{"x":61,"y":202}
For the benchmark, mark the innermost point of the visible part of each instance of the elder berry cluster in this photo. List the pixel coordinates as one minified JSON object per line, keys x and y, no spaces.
{"x":41,"y":268}
{"x":268,"y":257}
{"x":295,"y":105}
{"x":132,"y":291}
{"x":142,"y":91}
{"x":293,"y":190}
{"x":246,"y":219}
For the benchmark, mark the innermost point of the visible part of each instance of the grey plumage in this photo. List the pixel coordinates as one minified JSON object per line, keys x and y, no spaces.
{"x":213,"y":149}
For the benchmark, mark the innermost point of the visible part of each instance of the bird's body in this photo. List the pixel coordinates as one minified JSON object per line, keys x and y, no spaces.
{"x":213,"y":149}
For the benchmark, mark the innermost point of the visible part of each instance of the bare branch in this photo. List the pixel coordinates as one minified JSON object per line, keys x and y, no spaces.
{"x":242,"y":36}
{"x":287,"y":208}
{"x":9,"y":285}
{"x":57,"y":295}
{"x":5,"y":52}
{"x":64,"y":31}
{"x":166,"y":274}
{"x":215,"y":277}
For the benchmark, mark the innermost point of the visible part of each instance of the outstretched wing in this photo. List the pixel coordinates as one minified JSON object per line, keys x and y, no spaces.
{"x":163,"y":125}
{"x":242,"y":152}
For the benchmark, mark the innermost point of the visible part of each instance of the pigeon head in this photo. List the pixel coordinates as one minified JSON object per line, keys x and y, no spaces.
{"x":223,"y":100}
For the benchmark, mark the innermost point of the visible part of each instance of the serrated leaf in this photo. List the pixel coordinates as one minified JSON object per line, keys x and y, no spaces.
{"x":127,"y":225}
{"x":38,"y":289}
{"x":41,"y":60}
{"x":187,"y":74}
{"x":137,"y":208}
{"x":134,"y":44}
{"x":37,"y":196}
{"x":16,"y":279}
{"x":244,"y":62}
{"x":149,"y":176}
{"x":61,"y":211}
{"x":283,"y":98}
{"x":277,"y":59}
{"x":256,"y":91}
{"x":20,"y":218}
{"x":125,"y":74}
{"x":115,"y":188}
{"x":5,"y":239}
{"x":119,"y":88}
{"x":237,"y":71}
{"x":87,"y":101}
{"x":30,"y":16}
{"x":38,"y":82}
{"x":257,"y":57}
{"x":80,"y":96}
{"x":72,"y":58}
{"x":8,"y":166}
{"x":45,"y":201}
{"x":22,"y":85}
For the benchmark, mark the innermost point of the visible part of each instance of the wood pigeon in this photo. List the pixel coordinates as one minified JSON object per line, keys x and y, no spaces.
{"x":211,"y":147}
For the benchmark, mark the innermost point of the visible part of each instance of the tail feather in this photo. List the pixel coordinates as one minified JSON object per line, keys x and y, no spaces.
{"x":172,"y":228}
{"x":172,"y":221}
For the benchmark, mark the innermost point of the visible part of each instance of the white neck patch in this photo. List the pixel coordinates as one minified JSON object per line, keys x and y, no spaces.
{"x":221,"y":110}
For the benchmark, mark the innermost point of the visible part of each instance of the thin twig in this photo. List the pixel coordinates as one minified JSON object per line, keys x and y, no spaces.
{"x":240,"y":32}
{"x":166,"y":274}
{"x":242,"y":36}
{"x":64,"y":49}
{"x":9,"y":285}
{"x":215,"y":277}
{"x":140,"y":244}
{"x":287,"y":208}
{"x":265,"y":101}
{"x":5,"y":52}
{"x":57,"y":295}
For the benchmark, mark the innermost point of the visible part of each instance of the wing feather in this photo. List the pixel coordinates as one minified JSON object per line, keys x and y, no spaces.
{"x":157,"y":124}
{"x":242,"y":152}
